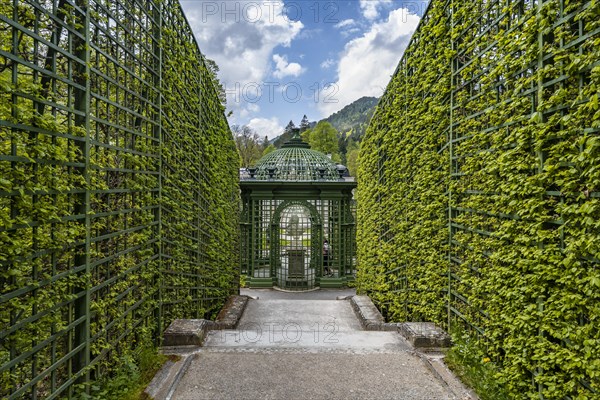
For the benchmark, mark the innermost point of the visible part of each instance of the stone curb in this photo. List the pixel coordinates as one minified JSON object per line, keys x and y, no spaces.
{"x":191,"y":332}
{"x":369,"y":316}
{"x":231,"y":312}
{"x":435,"y":363}
{"x":187,"y":332}
{"x":182,"y":337}
{"x":422,"y":335}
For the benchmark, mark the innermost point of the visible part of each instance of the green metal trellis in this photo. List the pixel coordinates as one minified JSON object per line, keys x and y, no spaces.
{"x":506,"y":100}
{"x":294,"y":200}
{"x":108,"y":224}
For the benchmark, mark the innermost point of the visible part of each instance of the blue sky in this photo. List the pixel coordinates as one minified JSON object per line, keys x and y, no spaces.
{"x":282,"y":59}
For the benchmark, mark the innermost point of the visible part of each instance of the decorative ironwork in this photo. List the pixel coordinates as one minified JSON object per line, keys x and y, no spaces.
{"x":296,"y":199}
{"x":295,"y":161}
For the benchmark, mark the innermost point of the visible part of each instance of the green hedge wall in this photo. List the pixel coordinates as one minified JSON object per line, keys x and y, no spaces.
{"x":118,"y":188}
{"x":481,"y":167}
{"x":403,"y":179}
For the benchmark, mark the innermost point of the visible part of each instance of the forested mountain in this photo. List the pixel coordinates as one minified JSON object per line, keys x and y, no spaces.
{"x":349,"y":125}
{"x":353,"y":119}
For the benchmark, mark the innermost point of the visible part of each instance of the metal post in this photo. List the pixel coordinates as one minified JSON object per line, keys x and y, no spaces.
{"x":540,"y":155}
{"x":451,"y":166}
{"x":82,"y":120}
{"x":158,"y":134}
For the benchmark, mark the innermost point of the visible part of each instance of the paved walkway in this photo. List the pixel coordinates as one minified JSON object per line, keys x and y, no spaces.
{"x":286,"y":348}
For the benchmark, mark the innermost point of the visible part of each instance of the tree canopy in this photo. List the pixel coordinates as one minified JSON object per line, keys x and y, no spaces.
{"x":248,"y":143}
{"x":324,"y":138}
{"x":304,"y":124}
{"x":269,"y":149}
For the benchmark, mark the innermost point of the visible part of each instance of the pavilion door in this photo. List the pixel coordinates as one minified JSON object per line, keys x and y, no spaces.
{"x":296,"y":267}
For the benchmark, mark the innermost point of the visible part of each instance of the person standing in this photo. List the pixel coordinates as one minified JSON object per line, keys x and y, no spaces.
{"x":326,"y":258}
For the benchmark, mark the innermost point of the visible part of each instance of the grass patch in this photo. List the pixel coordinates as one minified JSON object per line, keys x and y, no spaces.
{"x":133,"y":377}
{"x":470,"y":363}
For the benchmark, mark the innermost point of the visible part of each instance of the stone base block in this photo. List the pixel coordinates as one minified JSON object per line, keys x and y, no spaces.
{"x":187,"y":332}
{"x":424,"y":335}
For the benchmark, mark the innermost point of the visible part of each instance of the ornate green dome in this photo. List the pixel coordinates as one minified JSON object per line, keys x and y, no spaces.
{"x":295,"y":161}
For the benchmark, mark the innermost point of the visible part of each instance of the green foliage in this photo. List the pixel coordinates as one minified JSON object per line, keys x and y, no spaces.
{"x":132,"y":377}
{"x":354,"y":117}
{"x":213,"y":70}
{"x":269,"y":149}
{"x":323,"y":137}
{"x":353,"y":151}
{"x":401,"y":186}
{"x":243,"y":281}
{"x":200,"y":194}
{"x":118,"y":192}
{"x":482,"y":192}
{"x":351,"y":123}
{"x":474,"y":367}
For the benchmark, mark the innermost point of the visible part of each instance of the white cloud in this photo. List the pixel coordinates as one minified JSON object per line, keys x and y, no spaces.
{"x":349,"y":32}
{"x":368,"y":61}
{"x":327,"y":63}
{"x":285,"y":68}
{"x":266,"y":127}
{"x":253,"y":107}
{"x":347,"y":27}
{"x":345,"y":23}
{"x":247,"y":110}
{"x":243,"y":113}
{"x":370,"y":8}
{"x":241,"y":36}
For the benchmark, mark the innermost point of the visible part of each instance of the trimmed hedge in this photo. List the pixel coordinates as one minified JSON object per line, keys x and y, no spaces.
{"x":118,"y":189}
{"x":479,"y":188}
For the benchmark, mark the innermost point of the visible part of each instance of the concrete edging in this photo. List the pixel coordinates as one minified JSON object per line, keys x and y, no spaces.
{"x":369,"y":316}
{"x":425,"y":335}
{"x":166,"y":379}
{"x":422,"y":335}
{"x":435,"y":363}
{"x":231,"y":312}
{"x":191,"y":332}
{"x":426,"y":338}
{"x":182,"y":337}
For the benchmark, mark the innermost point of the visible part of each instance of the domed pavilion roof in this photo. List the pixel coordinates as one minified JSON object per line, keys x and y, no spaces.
{"x":295,"y":161}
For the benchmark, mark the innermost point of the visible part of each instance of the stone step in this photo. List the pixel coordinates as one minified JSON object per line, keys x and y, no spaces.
{"x":292,"y":337}
{"x":308,"y":314}
{"x":312,"y":348}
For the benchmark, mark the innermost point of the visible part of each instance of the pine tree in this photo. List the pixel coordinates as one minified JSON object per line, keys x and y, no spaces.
{"x":265,"y":143}
{"x":288,"y":133}
{"x":289,"y":128}
{"x":304,"y":124}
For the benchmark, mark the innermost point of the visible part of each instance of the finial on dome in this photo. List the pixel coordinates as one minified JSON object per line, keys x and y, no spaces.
{"x":296,"y":140}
